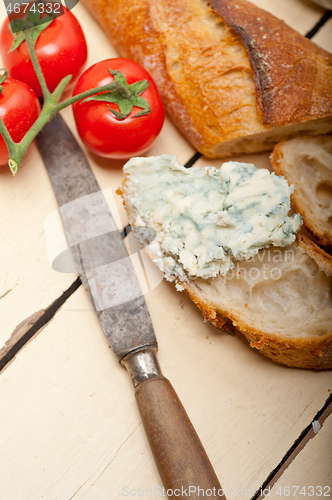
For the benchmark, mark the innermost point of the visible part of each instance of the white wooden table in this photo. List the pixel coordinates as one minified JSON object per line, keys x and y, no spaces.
{"x":69,"y":427}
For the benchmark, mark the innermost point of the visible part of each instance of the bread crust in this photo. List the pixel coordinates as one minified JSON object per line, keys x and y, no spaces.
{"x":313,"y":353}
{"x":293,"y":76}
{"x":226,"y":87}
{"x":313,"y":222}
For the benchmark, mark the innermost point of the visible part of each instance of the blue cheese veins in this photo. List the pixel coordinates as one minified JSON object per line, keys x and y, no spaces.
{"x":206,"y":219}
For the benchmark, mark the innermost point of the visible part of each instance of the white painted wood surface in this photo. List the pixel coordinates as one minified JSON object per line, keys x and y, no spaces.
{"x":69,"y":425}
{"x":27,"y":282}
{"x":302,"y":15}
{"x":324,"y":36}
{"x":310,"y":471}
{"x":68,"y":418}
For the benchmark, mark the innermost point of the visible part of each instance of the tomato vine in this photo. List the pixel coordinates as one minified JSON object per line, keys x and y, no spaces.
{"x":51,"y":104}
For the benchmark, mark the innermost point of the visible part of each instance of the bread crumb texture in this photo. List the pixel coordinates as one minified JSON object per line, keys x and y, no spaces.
{"x":306,"y":162}
{"x":289,"y":313}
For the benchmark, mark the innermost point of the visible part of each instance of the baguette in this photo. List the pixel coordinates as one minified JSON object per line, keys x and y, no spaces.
{"x":234,"y":78}
{"x":306,"y":162}
{"x":280,"y":298}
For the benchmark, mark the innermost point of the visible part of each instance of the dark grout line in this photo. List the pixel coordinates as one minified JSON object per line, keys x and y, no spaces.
{"x":126,"y":231}
{"x":46,"y":316}
{"x":42,"y":321}
{"x":291,"y":453}
{"x":193,"y":160}
{"x":320,"y":23}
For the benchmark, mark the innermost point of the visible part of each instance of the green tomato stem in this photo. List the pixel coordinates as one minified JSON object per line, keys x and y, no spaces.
{"x":113,"y":86}
{"x":36,"y":65}
{"x":3,"y":77}
{"x":18,"y":150}
{"x":13,"y":167}
{"x":6,"y":136}
{"x":51,"y":104}
{"x":61,"y":87}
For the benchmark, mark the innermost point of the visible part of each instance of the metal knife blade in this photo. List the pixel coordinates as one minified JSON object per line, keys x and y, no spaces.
{"x":92,"y":234}
{"x":112,"y":286}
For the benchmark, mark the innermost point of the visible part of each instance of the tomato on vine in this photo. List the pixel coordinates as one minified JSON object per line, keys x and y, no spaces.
{"x":121,"y":112}
{"x":124,"y":121}
{"x":19,"y":109}
{"x":60,"y":48}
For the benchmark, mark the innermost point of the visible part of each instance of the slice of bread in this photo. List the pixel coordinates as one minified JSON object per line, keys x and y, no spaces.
{"x":280,"y":299}
{"x":306,"y":162}
{"x":233,"y":77}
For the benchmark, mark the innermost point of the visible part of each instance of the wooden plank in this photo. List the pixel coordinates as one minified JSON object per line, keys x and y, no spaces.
{"x":28,"y":282}
{"x":301,"y":442}
{"x":70,"y":428}
{"x":68,"y":409}
{"x":324,"y":36}
{"x":301,"y":15}
{"x":32,"y":326}
{"x":309,"y":475}
{"x":323,"y":20}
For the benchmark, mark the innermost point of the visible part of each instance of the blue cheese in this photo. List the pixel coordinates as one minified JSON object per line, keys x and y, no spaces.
{"x":205,"y":220}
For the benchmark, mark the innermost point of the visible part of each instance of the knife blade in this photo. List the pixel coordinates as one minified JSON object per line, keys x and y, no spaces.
{"x":109,"y":278}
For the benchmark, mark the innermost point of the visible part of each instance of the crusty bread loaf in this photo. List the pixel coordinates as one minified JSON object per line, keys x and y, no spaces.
{"x":306,"y":162}
{"x":234,"y":78}
{"x":280,"y":300}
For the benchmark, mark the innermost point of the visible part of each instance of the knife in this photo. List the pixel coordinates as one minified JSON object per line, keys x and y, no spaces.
{"x":110,"y":281}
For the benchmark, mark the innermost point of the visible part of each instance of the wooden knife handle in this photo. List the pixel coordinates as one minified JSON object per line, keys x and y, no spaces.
{"x":182,"y":462}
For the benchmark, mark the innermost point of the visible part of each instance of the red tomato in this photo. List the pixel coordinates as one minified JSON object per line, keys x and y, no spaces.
{"x":97,"y":126}
{"x":61,"y":50}
{"x":19,"y":109}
